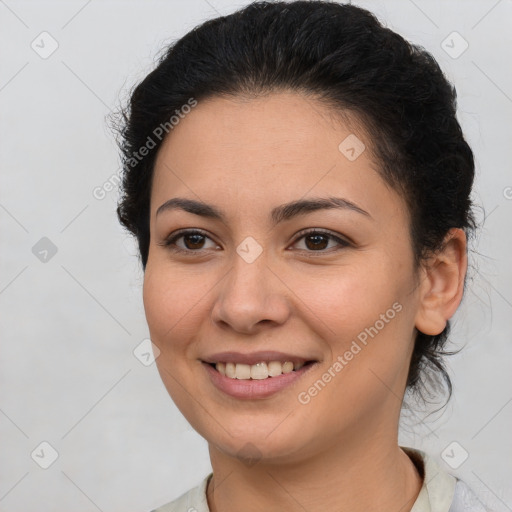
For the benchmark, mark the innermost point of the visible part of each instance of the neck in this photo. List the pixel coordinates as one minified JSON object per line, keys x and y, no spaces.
{"x":369,"y":476}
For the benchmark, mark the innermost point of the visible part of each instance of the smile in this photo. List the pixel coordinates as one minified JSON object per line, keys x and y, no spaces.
{"x":255,"y":376}
{"x":258,"y":371}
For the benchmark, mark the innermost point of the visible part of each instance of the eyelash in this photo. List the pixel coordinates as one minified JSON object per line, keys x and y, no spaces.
{"x":168,"y":242}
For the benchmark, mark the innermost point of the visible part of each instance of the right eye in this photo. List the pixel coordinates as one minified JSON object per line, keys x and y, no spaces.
{"x":193,"y":241}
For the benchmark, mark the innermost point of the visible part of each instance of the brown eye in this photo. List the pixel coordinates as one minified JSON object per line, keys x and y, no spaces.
{"x":193,"y":241}
{"x":318,"y":241}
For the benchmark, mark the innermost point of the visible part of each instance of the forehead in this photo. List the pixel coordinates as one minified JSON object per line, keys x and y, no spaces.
{"x":285,"y":124}
{"x":276,"y":148}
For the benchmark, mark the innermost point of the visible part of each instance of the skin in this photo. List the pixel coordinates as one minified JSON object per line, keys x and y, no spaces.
{"x":339,"y":452}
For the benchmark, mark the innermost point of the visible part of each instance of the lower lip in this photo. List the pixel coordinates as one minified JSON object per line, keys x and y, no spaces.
{"x":254,"y":388}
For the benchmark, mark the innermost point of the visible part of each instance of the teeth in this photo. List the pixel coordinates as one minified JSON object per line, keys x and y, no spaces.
{"x":275,"y":368}
{"x":258,"y":371}
{"x":243,"y":371}
{"x":287,"y":367}
{"x":230,"y":370}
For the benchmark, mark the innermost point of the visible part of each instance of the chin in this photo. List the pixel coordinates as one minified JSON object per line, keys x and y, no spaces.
{"x":265,"y":439}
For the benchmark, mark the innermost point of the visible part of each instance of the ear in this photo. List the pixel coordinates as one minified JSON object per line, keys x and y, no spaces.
{"x":442,"y":284}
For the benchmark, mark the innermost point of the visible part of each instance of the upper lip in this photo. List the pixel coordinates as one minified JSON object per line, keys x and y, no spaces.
{"x":254,"y":357}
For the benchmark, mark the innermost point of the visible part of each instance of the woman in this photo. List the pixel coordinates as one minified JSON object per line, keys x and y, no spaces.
{"x":299,"y":187}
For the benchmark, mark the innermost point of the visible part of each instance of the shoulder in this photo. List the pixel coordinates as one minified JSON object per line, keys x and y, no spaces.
{"x":193,"y":500}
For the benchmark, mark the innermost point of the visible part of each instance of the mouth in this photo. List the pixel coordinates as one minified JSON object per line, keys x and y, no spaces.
{"x":257,"y":375}
{"x":259,"y":371}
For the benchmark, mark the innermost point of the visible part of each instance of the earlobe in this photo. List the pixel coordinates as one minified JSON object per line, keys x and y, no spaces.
{"x":442,"y":284}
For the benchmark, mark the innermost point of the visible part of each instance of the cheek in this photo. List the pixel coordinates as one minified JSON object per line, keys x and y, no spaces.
{"x":364,"y":314}
{"x":173,"y":311}
{"x":173,"y":304}
{"x":348,"y":299}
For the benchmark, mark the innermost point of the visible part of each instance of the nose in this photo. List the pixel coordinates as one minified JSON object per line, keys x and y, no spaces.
{"x":251,"y":297}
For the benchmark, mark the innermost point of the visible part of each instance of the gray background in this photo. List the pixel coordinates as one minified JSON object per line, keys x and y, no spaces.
{"x":70,"y":324}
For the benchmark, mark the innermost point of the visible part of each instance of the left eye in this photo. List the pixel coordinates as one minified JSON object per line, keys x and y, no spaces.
{"x":318,"y":241}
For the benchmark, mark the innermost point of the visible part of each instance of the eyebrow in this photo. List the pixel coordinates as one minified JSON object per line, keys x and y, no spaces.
{"x":279,"y":214}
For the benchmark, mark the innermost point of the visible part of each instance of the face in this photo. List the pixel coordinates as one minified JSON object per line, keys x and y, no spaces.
{"x":325,"y":288}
